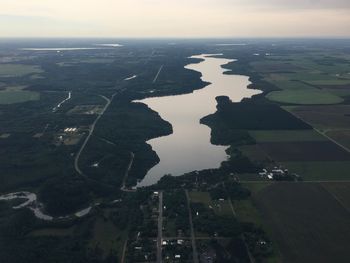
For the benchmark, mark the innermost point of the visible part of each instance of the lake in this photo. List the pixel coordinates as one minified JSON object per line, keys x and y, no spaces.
{"x":188,"y":148}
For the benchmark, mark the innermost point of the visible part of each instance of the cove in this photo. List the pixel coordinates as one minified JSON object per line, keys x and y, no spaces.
{"x":188,"y":148}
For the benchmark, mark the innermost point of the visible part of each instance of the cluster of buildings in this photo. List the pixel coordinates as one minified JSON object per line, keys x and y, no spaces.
{"x":278,"y":174}
{"x":70,"y":130}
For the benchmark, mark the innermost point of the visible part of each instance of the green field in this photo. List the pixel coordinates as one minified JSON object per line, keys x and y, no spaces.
{"x":219,"y":207}
{"x":320,"y":171}
{"x":18,"y":70}
{"x":13,"y":95}
{"x":247,"y":212}
{"x":286,"y":136}
{"x":304,"y":97}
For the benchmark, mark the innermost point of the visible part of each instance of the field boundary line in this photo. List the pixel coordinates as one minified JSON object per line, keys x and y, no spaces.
{"x":335,"y":198}
{"x":318,"y":131}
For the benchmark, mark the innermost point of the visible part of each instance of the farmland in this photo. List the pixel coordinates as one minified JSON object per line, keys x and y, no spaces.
{"x":305,"y":97}
{"x":305,"y":151}
{"x":320,"y":171}
{"x":262,"y":136}
{"x":301,"y":224}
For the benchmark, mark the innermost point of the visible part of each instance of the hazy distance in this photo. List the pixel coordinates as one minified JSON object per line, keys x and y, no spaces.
{"x":175,"y":18}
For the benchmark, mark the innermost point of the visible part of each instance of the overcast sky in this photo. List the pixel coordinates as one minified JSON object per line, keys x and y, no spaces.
{"x":174,"y":18}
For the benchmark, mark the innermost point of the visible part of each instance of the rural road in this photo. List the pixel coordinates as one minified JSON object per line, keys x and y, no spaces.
{"x":91,"y":131}
{"x":156,"y":77}
{"x":194,"y":248}
{"x":160,"y":229}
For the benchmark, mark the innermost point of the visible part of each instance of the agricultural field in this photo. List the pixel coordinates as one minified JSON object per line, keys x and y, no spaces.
{"x":341,"y":136}
{"x":305,"y":79}
{"x":324,"y":117}
{"x":11,"y":95}
{"x":305,"y":219}
{"x":341,"y":192}
{"x":320,"y":171}
{"x":286,"y":135}
{"x":304,"y":97}
{"x":333,"y":120}
{"x":305,"y":151}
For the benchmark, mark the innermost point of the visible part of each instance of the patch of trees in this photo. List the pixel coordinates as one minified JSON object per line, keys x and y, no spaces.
{"x":253,"y":114}
{"x":128,"y":126}
{"x":239,"y":163}
{"x":65,"y":195}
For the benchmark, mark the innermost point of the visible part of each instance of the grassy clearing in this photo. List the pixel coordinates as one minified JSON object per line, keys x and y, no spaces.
{"x":18,"y":70}
{"x":219,"y":207}
{"x":320,"y":171}
{"x":287,"y":136}
{"x":13,"y":95}
{"x":256,"y":187}
{"x":304,"y":97}
{"x":247,"y":212}
{"x":107,"y":236}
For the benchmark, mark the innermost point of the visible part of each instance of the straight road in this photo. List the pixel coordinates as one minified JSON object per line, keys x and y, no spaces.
{"x":193,"y":239}
{"x":156,"y":77}
{"x":91,"y":131}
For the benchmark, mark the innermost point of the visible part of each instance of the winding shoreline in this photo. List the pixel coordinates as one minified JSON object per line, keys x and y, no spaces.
{"x":31,"y":202}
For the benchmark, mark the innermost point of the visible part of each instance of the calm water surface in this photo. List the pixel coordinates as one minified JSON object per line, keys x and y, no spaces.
{"x":189,"y":147}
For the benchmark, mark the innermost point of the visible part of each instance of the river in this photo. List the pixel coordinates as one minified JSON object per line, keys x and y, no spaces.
{"x":188,"y":148}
